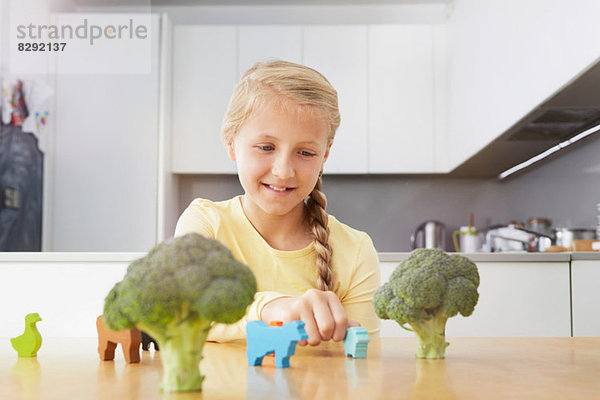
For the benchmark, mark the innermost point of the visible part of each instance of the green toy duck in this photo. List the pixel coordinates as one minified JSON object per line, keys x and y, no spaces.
{"x":28,"y":344}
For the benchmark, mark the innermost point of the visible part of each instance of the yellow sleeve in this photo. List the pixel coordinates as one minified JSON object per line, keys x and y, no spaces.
{"x":198,"y":217}
{"x":365,"y":280}
{"x":227,"y":332}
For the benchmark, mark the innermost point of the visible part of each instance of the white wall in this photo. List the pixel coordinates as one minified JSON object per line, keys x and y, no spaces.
{"x":506,"y":57}
{"x":105,"y":181}
{"x":3,"y":26}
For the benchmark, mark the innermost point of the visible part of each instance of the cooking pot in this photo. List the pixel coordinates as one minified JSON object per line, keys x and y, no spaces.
{"x":429,"y":235}
{"x":564,"y":236}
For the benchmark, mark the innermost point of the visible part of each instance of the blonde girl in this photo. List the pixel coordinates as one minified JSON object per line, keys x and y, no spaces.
{"x":279,"y":129}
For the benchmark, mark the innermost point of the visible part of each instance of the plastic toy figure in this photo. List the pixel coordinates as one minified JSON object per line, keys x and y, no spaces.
{"x":263,"y":339}
{"x":28,"y":344}
{"x":356,"y":341}
{"x":130,"y":340}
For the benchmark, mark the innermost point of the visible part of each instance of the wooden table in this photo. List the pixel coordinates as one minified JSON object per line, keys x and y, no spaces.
{"x":475,"y":368}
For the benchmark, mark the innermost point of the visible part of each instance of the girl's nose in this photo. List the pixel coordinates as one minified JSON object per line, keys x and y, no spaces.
{"x":283,"y":167}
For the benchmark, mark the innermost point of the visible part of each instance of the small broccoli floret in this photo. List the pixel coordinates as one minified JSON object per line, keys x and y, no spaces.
{"x":175,"y":294}
{"x":425,"y":290}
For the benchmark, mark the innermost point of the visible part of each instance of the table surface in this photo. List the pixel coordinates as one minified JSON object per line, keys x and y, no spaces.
{"x":474,"y":368}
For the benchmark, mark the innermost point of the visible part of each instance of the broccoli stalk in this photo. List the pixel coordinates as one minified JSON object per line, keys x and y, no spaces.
{"x":181,"y":356}
{"x":424,"y":291}
{"x":176,"y":293}
{"x":431,"y":334}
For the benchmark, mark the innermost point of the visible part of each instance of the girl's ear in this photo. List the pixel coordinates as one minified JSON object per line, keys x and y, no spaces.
{"x":230,"y":150}
{"x":327,"y":151}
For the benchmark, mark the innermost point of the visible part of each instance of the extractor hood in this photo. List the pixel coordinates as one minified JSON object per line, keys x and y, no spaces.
{"x":572,"y":110}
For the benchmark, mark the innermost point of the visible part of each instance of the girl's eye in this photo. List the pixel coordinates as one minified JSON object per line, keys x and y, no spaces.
{"x":266,"y":148}
{"x":307,"y":153}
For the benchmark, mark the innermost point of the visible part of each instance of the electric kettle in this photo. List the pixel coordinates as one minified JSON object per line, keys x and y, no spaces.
{"x":430,"y":235}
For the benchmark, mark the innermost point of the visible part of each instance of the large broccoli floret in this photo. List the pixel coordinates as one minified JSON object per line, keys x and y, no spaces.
{"x":175,"y":294}
{"x":425,"y":290}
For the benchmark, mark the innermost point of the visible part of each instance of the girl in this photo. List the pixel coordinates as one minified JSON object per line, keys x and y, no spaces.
{"x":279,"y":128}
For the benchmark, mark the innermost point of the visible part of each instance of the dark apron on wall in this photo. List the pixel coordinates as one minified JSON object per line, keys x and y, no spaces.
{"x":21,"y":184}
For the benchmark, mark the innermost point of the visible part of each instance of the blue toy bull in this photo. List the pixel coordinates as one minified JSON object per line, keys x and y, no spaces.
{"x":263,"y":339}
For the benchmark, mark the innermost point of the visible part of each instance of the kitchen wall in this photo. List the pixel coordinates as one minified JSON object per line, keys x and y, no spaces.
{"x":564,"y":188}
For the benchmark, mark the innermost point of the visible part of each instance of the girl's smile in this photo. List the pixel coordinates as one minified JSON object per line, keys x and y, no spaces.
{"x":278,"y":189}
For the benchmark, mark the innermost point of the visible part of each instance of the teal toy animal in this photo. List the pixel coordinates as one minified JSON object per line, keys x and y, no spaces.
{"x":356,"y":341}
{"x":28,"y":344}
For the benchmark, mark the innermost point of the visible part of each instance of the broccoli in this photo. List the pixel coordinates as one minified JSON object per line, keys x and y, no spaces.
{"x":175,"y":294}
{"x":425,"y":290}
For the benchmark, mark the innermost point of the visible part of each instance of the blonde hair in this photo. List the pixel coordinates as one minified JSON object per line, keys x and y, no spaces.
{"x":285,"y":84}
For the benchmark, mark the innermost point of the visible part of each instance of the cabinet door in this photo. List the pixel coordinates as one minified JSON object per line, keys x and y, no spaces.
{"x":515,"y":299}
{"x":586,"y":297}
{"x":204,"y":74}
{"x":262,"y":42}
{"x":401,"y":99}
{"x":519,"y":299}
{"x":340,"y":53}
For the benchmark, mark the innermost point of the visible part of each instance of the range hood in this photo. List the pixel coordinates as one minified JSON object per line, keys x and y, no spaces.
{"x":574,"y":109}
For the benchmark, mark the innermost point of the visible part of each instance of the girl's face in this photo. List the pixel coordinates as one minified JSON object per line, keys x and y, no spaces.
{"x":279,"y":154}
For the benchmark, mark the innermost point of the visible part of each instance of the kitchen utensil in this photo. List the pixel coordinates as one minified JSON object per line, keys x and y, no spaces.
{"x":565,"y":236}
{"x":583,"y":244}
{"x":429,"y":235}
{"x":513,"y":238}
{"x":467,"y":238}
{"x":556,"y":249}
{"x":541,"y":225}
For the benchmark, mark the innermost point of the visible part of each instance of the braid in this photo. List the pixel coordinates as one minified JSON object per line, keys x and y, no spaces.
{"x":316,"y":204}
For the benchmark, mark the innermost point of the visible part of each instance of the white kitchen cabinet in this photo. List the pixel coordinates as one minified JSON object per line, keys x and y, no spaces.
{"x":401,"y":99}
{"x":340,"y":53}
{"x":65,"y":285}
{"x":515,"y":299}
{"x":262,"y":42}
{"x":586,"y":297}
{"x":204,"y":74}
{"x":506,"y":58}
{"x":383,"y":75}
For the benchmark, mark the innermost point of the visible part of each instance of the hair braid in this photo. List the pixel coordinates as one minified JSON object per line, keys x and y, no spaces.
{"x":318,"y":219}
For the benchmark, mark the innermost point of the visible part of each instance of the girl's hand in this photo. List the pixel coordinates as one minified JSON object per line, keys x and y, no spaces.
{"x":322,"y":312}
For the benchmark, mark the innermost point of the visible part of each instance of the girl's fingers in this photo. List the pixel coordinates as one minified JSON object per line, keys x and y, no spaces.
{"x":323,"y":315}
{"x":353,"y":324}
{"x":340,"y":320}
{"x":310,"y":326}
{"x":324,"y":318}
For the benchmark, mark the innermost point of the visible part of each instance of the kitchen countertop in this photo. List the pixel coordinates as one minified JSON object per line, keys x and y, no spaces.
{"x":509,"y":257}
{"x":51,"y":256}
{"x":475,"y":368}
{"x":383,"y":256}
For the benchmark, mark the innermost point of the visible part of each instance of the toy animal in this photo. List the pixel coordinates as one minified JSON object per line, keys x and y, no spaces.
{"x":28,"y":344}
{"x":146,"y":340}
{"x":130,"y":340}
{"x":356,"y":341}
{"x":282,"y":340}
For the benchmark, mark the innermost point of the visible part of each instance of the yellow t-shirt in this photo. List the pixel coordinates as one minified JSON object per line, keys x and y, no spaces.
{"x":354,"y":262}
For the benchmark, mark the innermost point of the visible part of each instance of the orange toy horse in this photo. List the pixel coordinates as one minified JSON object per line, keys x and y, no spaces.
{"x":130,"y":340}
